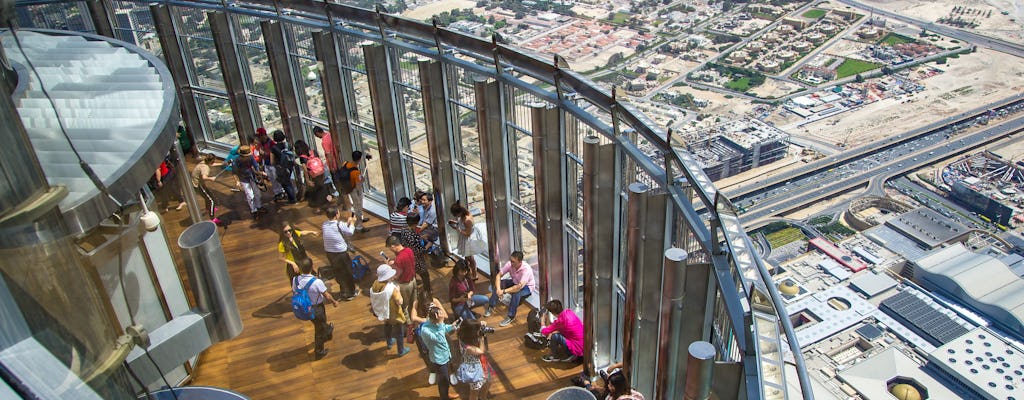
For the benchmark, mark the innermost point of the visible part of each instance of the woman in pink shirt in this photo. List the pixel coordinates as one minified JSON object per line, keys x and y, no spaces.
{"x":565,"y":334}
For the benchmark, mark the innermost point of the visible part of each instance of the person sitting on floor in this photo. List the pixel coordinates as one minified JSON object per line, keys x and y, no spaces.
{"x":565,"y":334}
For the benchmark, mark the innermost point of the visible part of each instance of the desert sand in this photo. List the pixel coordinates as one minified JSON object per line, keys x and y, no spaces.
{"x":969,"y":81}
{"x":1008,"y":27}
{"x":429,"y":10}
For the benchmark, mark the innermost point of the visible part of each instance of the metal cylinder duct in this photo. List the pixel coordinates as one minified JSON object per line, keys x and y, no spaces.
{"x":699,"y":366}
{"x":209,"y":280}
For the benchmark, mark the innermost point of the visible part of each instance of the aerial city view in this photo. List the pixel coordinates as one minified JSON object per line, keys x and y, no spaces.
{"x":871,"y":147}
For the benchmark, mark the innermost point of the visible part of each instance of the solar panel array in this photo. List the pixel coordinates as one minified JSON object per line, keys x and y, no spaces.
{"x":934,"y":326}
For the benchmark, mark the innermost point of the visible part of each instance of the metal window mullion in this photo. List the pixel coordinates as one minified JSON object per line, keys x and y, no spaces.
{"x":495,"y":169}
{"x":326,"y":50}
{"x":284,"y":80}
{"x":438,"y":122}
{"x":549,"y":198}
{"x":227,"y":54}
{"x":385,"y":118}
{"x":165,"y":30}
{"x":99,"y":13}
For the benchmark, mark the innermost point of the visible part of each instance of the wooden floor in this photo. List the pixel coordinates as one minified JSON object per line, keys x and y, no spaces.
{"x":272,"y":357}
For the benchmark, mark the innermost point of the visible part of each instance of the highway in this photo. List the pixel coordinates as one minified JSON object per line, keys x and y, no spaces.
{"x":871,"y":169}
{"x":938,"y":128}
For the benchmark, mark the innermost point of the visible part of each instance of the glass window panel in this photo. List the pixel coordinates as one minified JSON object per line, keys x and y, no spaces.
{"x":461,"y":90}
{"x":197,"y":44}
{"x":133,"y":23}
{"x":415,"y":132}
{"x":220,"y":123}
{"x":352,"y":53}
{"x":301,"y":56}
{"x":362,"y":110}
{"x":574,"y":273}
{"x":269,"y":116}
{"x":467,"y":143}
{"x":260,"y":81}
{"x":408,"y":72}
{"x":527,"y":229}
{"x":64,"y":16}
{"x":367,"y":142}
{"x":421,"y":176}
{"x":521,"y":154}
{"x":146,"y":307}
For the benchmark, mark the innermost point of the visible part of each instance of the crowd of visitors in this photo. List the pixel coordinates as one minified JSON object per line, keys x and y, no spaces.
{"x":452,"y":346}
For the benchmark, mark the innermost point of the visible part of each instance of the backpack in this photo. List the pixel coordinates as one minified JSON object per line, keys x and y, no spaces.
{"x":315,"y":165}
{"x":533,"y":321}
{"x":302,"y":307}
{"x":345,"y":183}
{"x":359,"y":268}
{"x":286,"y":159}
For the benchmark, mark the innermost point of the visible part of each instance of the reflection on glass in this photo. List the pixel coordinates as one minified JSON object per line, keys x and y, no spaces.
{"x":133,"y":23}
{"x":65,"y":17}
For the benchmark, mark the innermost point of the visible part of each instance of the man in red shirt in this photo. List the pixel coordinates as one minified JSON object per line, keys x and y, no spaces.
{"x":330,"y":153}
{"x":405,"y":263}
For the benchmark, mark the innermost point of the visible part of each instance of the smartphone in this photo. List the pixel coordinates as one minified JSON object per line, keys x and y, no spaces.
{"x":383,"y":255}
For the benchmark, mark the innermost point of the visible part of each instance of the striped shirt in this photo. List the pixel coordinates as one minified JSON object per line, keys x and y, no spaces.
{"x":333,"y":231}
{"x":398,"y":221}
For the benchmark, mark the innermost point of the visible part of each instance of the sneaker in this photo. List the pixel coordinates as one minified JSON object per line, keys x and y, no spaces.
{"x":357,"y":292}
{"x":391,"y":342}
{"x":215,"y":220}
{"x":487,"y":312}
{"x":432,"y":378}
{"x":452,"y":380}
{"x":366,"y":219}
{"x":320,"y":354}
{"x":550,"y":358}
{"x":330,"y":331}
{"x":506,"y":321}
{"x":362,"y":230}
{"x":404,"y":351}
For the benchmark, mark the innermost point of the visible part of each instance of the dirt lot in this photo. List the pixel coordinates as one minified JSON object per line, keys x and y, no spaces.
{"x":429,"y":10}
{"x":969,"y":81}
{"x":1008,"y":27}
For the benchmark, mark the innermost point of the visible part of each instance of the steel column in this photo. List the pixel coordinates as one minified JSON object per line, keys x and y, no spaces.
{"x":99,"y":12}
{"x":549,"y":196}
{"x":601,"y":203}
{"x":671,"y":299}
{"x":165,"y":30}
{"x":699,"y":365}
{"x":438,"y":122}
{"x":494,"y":166}
{"x":234,"y":82}
{"x":648,"y":222}
{"x":385,"y":117}
{"x":284,"y":79}
{"x":326,"y":50}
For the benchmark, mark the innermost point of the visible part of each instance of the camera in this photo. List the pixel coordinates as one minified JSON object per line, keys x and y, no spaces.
{"x":485,"y":330}
{"x":368,"y":156}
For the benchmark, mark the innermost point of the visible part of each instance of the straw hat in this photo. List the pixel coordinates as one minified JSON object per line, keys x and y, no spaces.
{"x":245,"y":151}
{"x":385,"y":272}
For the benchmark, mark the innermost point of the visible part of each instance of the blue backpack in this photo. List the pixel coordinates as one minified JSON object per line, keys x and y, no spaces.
{"x":359,"y":268}
{"x":302,"y":307}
